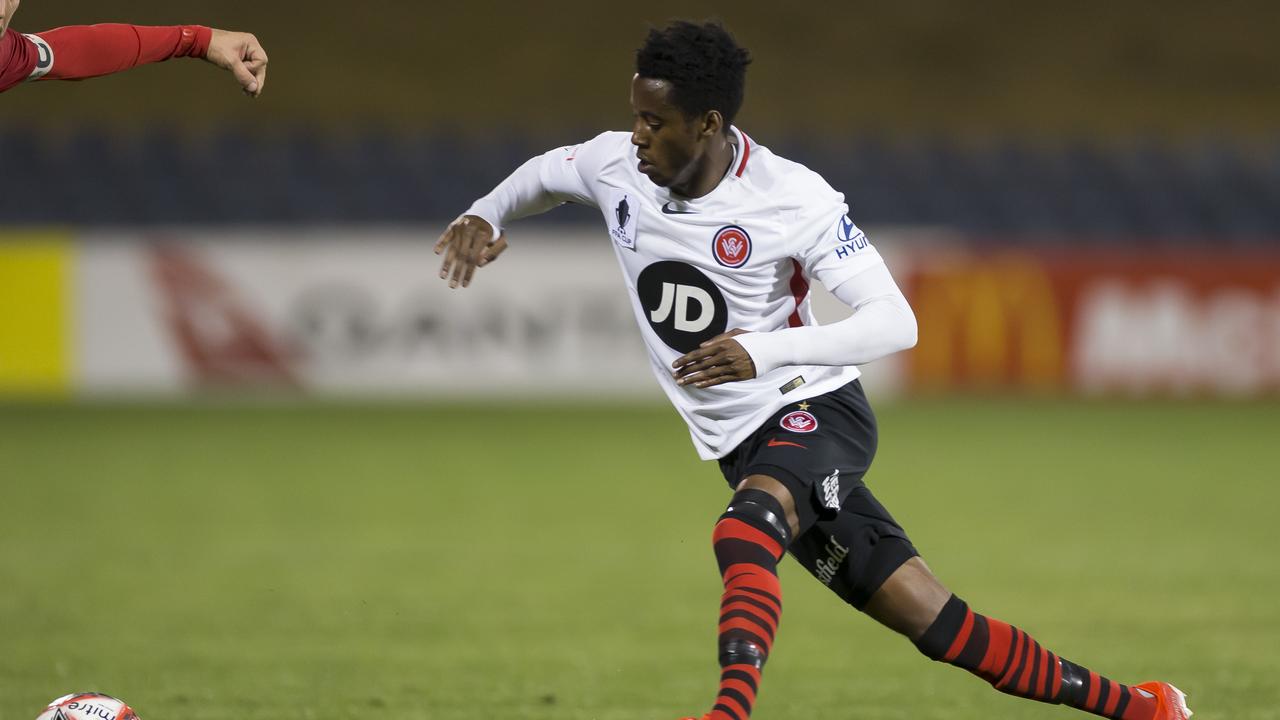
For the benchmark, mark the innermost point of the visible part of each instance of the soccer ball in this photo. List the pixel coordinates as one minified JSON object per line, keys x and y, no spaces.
{"x":88,"y":706}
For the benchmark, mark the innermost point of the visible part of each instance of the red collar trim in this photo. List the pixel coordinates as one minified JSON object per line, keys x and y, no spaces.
{"x":746,"y":154}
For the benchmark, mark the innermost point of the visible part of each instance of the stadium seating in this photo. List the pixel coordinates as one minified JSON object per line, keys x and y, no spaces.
{"x":1039,"y":192}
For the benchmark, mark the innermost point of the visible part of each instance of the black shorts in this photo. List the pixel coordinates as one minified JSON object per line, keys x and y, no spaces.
{"x":820,"y":449}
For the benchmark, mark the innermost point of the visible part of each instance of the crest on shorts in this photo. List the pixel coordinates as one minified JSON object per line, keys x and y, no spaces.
{"x":731,"y":246}
{"x":799,"y":421}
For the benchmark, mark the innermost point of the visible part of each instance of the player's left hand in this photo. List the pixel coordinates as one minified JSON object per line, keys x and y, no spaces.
{"x":716,"y":361}
{"x":242,"y":54}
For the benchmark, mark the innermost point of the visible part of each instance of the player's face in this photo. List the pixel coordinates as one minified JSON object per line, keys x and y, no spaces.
{"x":7,"y":9}
{"x":670,"y":146}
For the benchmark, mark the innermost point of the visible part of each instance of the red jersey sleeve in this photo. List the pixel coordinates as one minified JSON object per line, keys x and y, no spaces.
{"x":85,"y":51}
{"x":76,"y":52}
{"x":22,"y":58}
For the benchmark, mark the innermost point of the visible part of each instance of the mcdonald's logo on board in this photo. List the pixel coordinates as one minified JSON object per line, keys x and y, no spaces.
{"x":988,"y":323}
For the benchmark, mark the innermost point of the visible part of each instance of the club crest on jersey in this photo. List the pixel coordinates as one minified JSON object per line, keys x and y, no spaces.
{"x":799,"y":421}
{"x":731,"y":246}
{"x":622,"y":220}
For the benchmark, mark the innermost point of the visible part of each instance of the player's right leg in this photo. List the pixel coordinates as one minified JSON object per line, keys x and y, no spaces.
{"x":749,"y":540}
{"x":785,"y":478}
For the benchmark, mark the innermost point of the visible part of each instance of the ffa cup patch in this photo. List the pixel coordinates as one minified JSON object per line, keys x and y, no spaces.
{"x":731,"y":246}
{"x":621,"y":219}
{"x":799,"y":421}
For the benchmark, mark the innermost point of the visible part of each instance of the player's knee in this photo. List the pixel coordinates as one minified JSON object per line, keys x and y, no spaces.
{"x":785,"y":494}
{"x":760,"y":511}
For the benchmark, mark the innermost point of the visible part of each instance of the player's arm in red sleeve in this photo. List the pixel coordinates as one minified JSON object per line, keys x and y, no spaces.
{"x":85,"y":51}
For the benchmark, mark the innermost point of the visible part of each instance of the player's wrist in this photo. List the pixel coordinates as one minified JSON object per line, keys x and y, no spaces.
{"x":202,"y":37}
{"x":487,"y":214}
{"x":768,"y":350}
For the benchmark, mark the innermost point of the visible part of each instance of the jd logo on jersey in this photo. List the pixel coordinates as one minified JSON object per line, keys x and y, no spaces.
{"x":681,"y":304}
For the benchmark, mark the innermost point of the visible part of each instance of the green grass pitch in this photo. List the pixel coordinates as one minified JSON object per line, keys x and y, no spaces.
{"x":477,"y":562}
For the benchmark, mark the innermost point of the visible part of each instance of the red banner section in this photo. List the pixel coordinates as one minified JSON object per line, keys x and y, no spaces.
{"x":1165,"y":322}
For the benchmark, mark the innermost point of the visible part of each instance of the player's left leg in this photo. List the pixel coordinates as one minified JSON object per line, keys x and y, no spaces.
{"x":914,"y":603}
{"x":863,"y":555}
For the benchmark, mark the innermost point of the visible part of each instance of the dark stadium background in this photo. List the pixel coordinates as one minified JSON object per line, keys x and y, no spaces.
{"x":981,"y":116}
{"x":277,"y":541}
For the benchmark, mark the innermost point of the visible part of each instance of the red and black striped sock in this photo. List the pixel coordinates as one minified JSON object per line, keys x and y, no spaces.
{"x":749,"y":540}
{"x":1014,"y":663}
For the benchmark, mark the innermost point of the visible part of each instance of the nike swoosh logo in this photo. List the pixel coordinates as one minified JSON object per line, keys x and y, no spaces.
{"x":779,"y":443}
{"x":668,"y":210}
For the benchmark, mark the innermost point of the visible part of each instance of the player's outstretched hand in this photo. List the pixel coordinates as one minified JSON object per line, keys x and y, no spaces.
{"x":466,"y":245}
{"x":242,"y":54}
{"x":716,"y":361}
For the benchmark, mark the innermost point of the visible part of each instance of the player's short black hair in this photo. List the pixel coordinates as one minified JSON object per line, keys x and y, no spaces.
{"x":704,"y":64}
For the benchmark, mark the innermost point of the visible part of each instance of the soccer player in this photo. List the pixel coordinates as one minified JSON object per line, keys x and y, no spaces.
{"x":84,"y":51}
{"x":718,"y":239}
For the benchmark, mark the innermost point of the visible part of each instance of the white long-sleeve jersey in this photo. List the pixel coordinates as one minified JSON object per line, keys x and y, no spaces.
{"x":741,"y":256}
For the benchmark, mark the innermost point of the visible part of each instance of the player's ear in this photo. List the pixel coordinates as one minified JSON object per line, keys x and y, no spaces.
{"x":712,"y":124}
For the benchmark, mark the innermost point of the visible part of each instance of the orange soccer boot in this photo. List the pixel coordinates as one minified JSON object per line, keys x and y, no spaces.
{"x":1171,"y":703}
